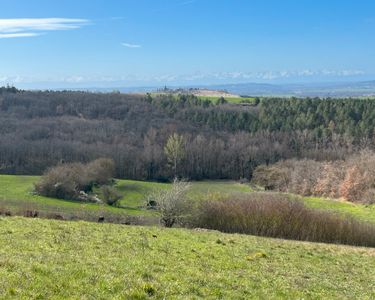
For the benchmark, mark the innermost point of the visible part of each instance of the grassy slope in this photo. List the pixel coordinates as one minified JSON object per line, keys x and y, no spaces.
{"x":45,"y":259}
{"x":135,"y":192}
{"x":362,"y":212}
{"x":16,"y":191}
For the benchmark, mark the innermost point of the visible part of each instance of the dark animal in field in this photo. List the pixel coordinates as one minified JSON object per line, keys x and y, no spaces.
{"x":31,"y":214}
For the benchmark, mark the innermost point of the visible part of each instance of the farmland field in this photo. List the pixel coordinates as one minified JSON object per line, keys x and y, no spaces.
{"x":235,"y":100}
{"x":214,"y":99}
{"x":17,"y":192}
{"x":44,"y":259}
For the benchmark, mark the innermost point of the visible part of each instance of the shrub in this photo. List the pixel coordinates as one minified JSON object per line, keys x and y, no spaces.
{"x":271,"y":177}
{"x":68,"y":181}
{"x":110,"y":195}
{"x":369,"y":196}
{"x":100,"y":171}
{"x":354,"y":185}
{"x":329,"y":180}
{"x":172,"y":204}
{"x":279,"y":216}
{"x":352,"y":179}
{"x":63,"y":182}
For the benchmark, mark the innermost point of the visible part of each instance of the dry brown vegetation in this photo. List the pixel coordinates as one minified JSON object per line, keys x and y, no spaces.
{"x":352,"y":179}
{"x":72,"y":181}
{"x":278,"y":216}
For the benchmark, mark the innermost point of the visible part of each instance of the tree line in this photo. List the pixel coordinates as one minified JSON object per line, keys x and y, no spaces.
{"x":41,"y":129}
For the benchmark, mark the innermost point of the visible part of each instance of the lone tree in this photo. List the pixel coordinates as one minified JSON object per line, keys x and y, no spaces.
{"x":173,"y":204}
{"x":175,"y":151}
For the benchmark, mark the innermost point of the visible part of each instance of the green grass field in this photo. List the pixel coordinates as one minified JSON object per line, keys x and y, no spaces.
{"x":48,"y":259}
{"x":234,"y":100}
{"x":135,"y":192}
{"x":16,"y":191}
{"x":213,"y":99}
{"x":362,"y":212}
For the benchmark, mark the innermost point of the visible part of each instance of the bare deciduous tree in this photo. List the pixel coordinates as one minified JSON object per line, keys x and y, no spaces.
{"x":172,"y":203}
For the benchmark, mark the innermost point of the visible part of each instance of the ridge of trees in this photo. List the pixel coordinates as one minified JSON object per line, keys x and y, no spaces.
{"x":221,"y":141}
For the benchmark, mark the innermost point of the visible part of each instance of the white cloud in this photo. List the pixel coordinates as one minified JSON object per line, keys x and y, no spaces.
{"x":273,"y":75}
{"x":187,"y":2}
{"x":17,"y":35}
{"x":195,"y":78}
{"x":131,"y":45}
{"x":16,"y":28}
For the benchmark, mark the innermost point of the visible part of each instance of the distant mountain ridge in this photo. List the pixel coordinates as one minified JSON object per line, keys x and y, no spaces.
{"x":340,"y":89}
{"x":330,"y":89}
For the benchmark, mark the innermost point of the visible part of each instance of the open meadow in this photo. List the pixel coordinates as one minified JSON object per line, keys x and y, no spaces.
{"x":16,"y":194}
{"x":48,"y":259}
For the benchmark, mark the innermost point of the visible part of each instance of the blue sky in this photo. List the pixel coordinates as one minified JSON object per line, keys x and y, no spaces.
{"x":71,"y":43}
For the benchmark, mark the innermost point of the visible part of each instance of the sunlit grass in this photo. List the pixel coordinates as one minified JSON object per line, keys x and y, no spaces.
{"x":45,"y":259}
{"x":18,"y":191}
{"x":360,"y":211}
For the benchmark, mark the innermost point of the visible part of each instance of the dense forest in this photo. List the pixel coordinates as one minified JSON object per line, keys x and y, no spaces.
{"x":218,"y":140}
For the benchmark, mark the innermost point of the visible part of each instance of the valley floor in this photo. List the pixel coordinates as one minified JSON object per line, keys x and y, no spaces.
{"x":16,"y":194}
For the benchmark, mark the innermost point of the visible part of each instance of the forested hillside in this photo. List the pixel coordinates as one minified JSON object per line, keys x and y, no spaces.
{"x":219,"y":140}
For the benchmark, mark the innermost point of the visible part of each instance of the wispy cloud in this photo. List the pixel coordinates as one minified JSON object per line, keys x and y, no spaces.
{"x":16,"y":28}
{"x":127,"y":45}
{"x":273,"y":75}
{"x":117,"y":18}
{"x":187,"y":2}
{"x":196,"y":78}
{"x":18,"y":35}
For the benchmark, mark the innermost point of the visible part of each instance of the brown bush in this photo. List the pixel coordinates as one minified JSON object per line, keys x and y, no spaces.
{"x":353,"y":187}
{"x":296,"y":176}
{"x":352,"y":179}
{"x":273,"y":177}
{"x":66,"y":181}
{"x":100,"y":171}
{"x":63,"y":182}
{"x":303,"y":175}
{"x":369,"y":196}
{"x":278,"y":216}
{"x":329,"y":181}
